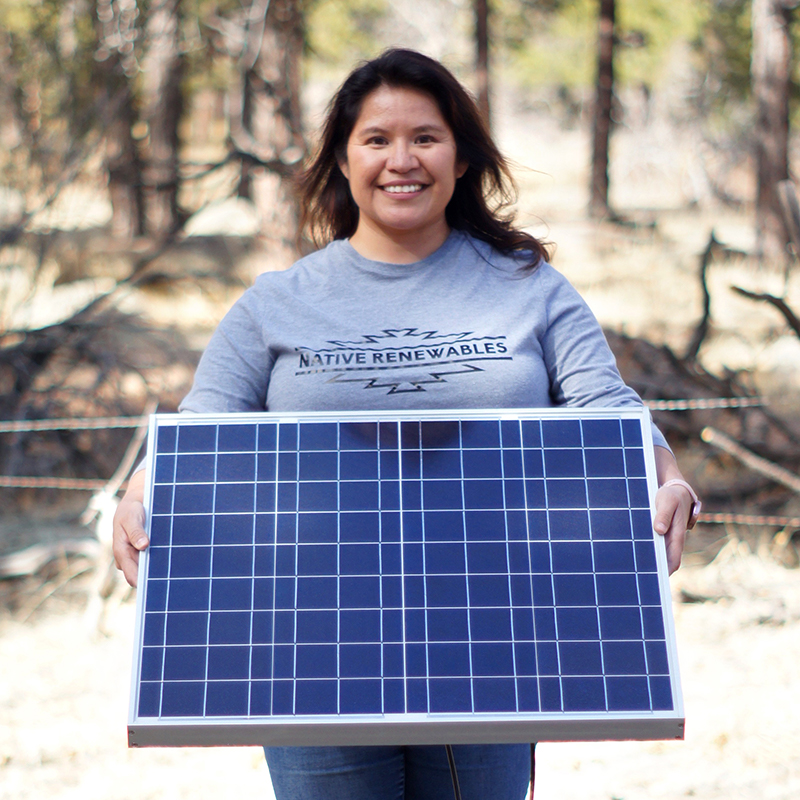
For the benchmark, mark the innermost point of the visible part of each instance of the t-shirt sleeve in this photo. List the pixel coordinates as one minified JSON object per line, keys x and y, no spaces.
{"x":581,"y":367}
{"x":233,"y":373}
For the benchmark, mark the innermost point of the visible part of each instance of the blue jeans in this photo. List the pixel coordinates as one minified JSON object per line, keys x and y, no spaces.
{"x":499,"y":772}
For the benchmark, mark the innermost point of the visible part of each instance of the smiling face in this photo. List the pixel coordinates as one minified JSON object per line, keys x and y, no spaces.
{"x":402,"y":169}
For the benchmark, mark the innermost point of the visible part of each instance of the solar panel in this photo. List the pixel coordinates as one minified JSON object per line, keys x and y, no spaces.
{"x":408,"y":578}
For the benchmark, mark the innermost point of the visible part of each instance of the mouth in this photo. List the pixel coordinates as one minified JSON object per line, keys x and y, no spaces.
{"x":408,"y":188}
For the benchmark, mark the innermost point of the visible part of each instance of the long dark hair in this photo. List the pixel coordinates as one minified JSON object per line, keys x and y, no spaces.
{"x":482,"y":195}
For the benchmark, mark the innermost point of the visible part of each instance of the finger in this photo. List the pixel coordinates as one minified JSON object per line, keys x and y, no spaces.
{"x":127,"y":560}
{"x":675,"y":541}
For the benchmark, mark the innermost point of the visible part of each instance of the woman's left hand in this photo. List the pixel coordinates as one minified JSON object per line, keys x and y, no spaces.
{"x":673,"y":507}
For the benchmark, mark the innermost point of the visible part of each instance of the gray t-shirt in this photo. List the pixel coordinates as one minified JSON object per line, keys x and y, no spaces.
{"x":465,"y":327}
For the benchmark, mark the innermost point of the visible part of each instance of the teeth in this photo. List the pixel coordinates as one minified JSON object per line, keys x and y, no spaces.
{"x":413,"y":187}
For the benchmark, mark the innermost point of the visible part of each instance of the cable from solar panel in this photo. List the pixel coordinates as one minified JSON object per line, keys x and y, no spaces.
{"x":423,"y":295}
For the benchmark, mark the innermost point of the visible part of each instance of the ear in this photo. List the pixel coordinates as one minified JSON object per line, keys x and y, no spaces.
{"x":461,"y":168}
{"x":343,"y":166}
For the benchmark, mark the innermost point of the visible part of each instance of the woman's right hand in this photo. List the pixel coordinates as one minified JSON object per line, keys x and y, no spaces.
{"x":129,"y":533}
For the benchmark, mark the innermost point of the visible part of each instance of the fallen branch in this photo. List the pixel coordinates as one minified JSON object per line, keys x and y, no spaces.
{"x":748,"y":458}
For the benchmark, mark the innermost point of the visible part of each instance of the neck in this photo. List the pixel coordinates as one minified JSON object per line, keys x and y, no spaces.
{"x":398,"y":247}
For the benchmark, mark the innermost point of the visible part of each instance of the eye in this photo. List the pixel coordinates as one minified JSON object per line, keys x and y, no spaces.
{"x":377,"y":140}
{"x":425,"y":138}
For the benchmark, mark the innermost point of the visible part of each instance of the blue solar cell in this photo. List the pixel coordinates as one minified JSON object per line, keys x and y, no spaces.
{"x":449,"y":624}
{"x":197,"y":438}
{"x":544,"y":620}
{"x":165,"y":469}
{"x":443,"y":557}
{"x":287,"y":466}
{"x":267,"y":436}
{"x":183,"y":699}
{"x":441,"y":464}
{"x":361,"y":436}
{"x":190,"y":562}
{"x":358,"y":496}
{"x":197,"y":498}
{"x":531,"y":433}
{"x":188,"y":594}
{"x":236,"y":438}
{"x":634,"y":464}
{"x":586,"y":694}
{"x":152,"y":663}
{"x":445,"y":590}
{"x":511,"y":464}
{"x":318,"y":436}
{"x":645,"y":556}
{"x":574,"y":590}
{"x":568,"y":524}
{"x":566,"y":493}
{"x":615,"y":589}
{"x":318,"y":466}
{"x":316,"y":496}
{"x":149,"y":699}
{"x":488,"y":590}
{"x":564,"y":463}
{"x":649,"y":592}
{"x":449,"y":659}
{"x":230,"y":662}
{"x":158,"y":566}
{"x":450,"y":695}
{"x":494,"y":694}
{"x":490,"y":624}
{"x":483,"y":464}
{"x":227,"y":699}
{"x":287,"y":436}
{"x":560,"y":433}
{"x":480,"y":433}
{"x":154,"y":625}
{"x":233,"y":529}
{"x":601,"y":433}
{"x":486,"y":557}
{"x":608,"y":524}
{"x":604,"y":463}
{"x":631,"y":433}
{"x":624,"y":658}
{"x":572,"y":557}
{"x":491,"y":658}
{"x":162,"y":500}
{"x":166,"y":438}
{"x":620,"y":623}
{"x":318,"y":559}
{"x":447,"y":494}
{"x":577,"y":623}
{"x":185,"y":663}
{"x":229,"y":627}
{"x":533,"y":463}
{"x":607,"y":493}
{"x":550,"y":694}
{"x":638,"y":494}
{"x":642,"y":525}
{"x":547,"y":658}
{"x":439,"y":434}
{"x":511,"y":433}
{"x":359,"y":465}
{"x":229,"y":594}
{"x":613,"y":556}
{"x":628,"y":694}
{"x":540,"y":557}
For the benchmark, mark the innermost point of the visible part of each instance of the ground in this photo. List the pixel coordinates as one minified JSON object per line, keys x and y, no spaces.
{"x":64,"y":697}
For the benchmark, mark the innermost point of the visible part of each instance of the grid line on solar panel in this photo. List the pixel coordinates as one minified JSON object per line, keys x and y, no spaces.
{"x":439,"y":483}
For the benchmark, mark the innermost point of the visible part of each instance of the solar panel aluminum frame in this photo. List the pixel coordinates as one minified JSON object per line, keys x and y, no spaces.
{"x":409,"y":727}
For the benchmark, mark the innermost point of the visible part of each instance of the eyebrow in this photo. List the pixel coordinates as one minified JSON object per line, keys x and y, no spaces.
{"x":418,"y":129}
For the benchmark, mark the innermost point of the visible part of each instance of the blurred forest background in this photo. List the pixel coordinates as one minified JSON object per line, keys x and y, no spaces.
{"x":148,"y":150}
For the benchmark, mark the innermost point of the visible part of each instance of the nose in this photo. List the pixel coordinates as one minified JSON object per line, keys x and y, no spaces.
{"x":400,"y":157}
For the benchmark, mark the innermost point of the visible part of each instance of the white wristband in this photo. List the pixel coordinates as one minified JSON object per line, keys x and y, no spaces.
{"x":696,"y":504}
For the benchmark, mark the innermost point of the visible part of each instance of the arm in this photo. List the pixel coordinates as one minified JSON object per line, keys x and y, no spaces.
{"x":129,"y":536}
{"x":673,"y":507}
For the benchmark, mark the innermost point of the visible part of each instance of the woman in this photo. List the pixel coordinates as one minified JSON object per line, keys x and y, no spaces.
{"x":424,"y":297}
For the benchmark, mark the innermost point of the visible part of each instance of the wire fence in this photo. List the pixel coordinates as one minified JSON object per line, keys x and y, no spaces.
{"x":104,"y":423}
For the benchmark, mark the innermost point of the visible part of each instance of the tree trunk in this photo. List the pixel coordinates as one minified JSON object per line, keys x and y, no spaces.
{"x":602,"y":122}
{"x":272,"y":120}
{"x":771,"y":67}
{"x":162,"y":106}
{"x":482,"y":12}
{"x":114,"y":65}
